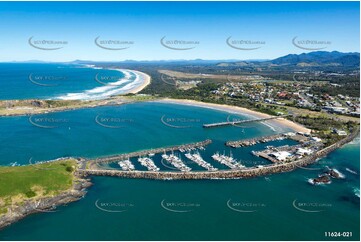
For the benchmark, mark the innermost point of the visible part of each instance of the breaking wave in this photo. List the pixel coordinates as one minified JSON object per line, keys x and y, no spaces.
{"x":124,"y":85}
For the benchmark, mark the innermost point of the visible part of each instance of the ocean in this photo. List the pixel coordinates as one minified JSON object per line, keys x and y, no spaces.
{"x":277,"y":207}
{"x":63,"y":81}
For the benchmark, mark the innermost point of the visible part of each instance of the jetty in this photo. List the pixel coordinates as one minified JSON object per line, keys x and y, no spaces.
{"x":227,"y":161}
{"x":148,"y":163}
{"x":176,"y":162}
{"x":126,"y":165}
{"x":197,"y":158}
{"x":220,"y":124}
{"x":189,"y":146}
{"x":253,"y":141}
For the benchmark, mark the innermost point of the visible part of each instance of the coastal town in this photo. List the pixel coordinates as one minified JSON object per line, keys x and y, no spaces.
{"x":180,"y":121}
{"x":291,"y":94}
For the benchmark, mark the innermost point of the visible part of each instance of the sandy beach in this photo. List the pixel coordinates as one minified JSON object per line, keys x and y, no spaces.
{"x":146,"y":81}
{"x":244,"y":111}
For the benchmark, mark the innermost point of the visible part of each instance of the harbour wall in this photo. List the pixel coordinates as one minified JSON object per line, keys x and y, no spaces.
{"x":225,"y":174}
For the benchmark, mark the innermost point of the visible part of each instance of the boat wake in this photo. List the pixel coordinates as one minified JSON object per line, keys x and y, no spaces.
{"x":124,"y":85}
{"x":356,"y":191}
{"x":351,"y":171}
{"x":336,"y":172}
{"x":270,"y":126}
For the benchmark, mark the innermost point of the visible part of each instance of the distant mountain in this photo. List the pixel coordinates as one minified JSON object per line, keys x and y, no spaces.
{"x":316,"y":59}
{"x":320,"y":58}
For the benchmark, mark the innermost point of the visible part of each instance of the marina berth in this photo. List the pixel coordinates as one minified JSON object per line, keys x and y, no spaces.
{"x":227,"y":161}
{"x":176,"y":162}
{"x":246,"y":172}
{"x":151,"y":152}
{"x":148,"y":163}
{"x":199,"y":160}
{"x":126,"y":165}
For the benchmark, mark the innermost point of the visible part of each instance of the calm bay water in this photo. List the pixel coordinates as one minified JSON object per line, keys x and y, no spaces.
{"x":264,"y":208}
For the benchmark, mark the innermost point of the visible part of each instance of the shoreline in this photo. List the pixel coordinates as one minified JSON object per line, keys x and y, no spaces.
{"x":238,"y":110}
{"x":146,"y":81}
{"x":47,"y":204}
{"x":120,"y":100}
{"x":109,"y":89}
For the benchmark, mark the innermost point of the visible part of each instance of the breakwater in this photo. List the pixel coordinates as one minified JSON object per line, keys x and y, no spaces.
{"x":225,"y":174}
{"x":110,"y":159}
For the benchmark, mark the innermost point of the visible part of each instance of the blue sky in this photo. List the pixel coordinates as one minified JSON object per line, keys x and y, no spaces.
{"x":274,"y":24}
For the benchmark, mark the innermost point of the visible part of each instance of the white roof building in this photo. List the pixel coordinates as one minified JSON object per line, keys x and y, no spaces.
{"x":281,"y":155}
{"x":302,"y":151}
{"x":316,"y":139}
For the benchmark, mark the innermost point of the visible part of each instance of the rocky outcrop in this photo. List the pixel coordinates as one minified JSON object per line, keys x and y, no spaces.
{"x":46,"y":204}
{"x":324,"y":179}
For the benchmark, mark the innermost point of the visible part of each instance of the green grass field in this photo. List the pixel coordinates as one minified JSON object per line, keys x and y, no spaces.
{"x":23,"y":182}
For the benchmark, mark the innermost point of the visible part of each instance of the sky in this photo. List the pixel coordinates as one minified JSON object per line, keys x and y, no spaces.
{"x":257,"y":30}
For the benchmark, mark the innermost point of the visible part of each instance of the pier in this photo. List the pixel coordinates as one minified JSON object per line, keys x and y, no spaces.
{"x":109,"y":159}
{"x":197,"y":158}
{"x":213,"y":125}
{"x":227,"y":161}
{"x":253,"y":141}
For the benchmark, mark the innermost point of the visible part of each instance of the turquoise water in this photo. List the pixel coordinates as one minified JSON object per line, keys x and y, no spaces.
{"x":61,"y":81}
{"x":263,"y":208}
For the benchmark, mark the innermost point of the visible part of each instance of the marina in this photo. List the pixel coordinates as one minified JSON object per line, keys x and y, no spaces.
{"x":227,"y":161}
{"x":254,"y":141}
{"x":148,"y":163}
{"x":176,"y":162}
{"x":180,"y":121}
{"x":246,"y":172}
{"x":197,"y":158}
{"x":126,"y":165}
{"x":152,"y":152}
{"x":299,"y":137}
